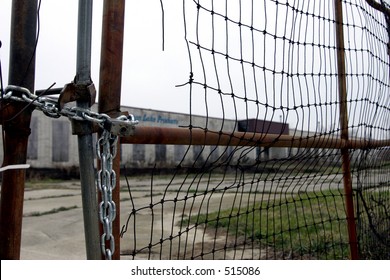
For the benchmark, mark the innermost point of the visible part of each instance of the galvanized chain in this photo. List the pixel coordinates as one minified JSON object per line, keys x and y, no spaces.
{"x":45,"y":104}
{"x":106,"y":149}
{"x":50,"y":108}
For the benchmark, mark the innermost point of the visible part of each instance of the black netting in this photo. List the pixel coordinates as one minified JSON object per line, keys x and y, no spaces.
{"x":270,"y":67}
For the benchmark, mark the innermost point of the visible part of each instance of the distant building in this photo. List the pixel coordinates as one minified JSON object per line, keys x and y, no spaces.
{"x":53,"y":147}
{"x":266,"y":127}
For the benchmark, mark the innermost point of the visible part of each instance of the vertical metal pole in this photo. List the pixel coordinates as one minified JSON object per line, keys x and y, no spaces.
{"x":110,"y":84}
{"x":85,"y":143}
{"x":350,"y":212}
{"x":17,"y":130}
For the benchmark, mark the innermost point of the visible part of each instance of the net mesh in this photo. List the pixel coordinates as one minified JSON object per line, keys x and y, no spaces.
{"x":270,"y":67}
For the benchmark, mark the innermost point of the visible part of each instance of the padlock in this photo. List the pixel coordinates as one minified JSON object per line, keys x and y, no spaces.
{"x":119,"y":127}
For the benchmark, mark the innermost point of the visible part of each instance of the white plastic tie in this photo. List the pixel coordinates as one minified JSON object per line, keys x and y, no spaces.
{"x":14,"y":166}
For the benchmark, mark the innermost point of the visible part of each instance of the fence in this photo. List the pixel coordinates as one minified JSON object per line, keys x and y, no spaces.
{"x":318,"y":67}
{"x":303,"y":174}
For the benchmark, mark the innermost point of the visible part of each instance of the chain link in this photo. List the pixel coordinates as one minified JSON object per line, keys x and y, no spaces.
{"x":106,"y":150}
{"x":50,"y":107}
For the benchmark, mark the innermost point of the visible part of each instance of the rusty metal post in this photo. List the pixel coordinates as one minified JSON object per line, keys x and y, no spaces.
{"x":85,"y":142}
{"x":198,"y":136}
{"x":16,"y":126}
{"x":110,"y":85}
{"x":346,"y":161}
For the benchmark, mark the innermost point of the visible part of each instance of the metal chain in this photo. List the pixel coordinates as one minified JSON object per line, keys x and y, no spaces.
{"x":50,"y":107}
{"x":106,"y":148}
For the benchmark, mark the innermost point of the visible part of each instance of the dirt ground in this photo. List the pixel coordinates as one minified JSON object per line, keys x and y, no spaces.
{"x":53,"y":225}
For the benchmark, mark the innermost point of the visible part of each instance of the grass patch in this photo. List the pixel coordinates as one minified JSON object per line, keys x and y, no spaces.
{"x":304,"y":225}
{"x":52,"y":196}
{"x":374,"y":224}
{"x":51,"y":184}
{"x":52,"y":211}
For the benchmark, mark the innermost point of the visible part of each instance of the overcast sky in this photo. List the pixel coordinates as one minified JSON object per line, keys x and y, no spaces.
{"x":149,"y":73}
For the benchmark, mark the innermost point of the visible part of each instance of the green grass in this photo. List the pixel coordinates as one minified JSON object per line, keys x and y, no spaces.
{"x":374,"y":224}
{"x":309,"y":225}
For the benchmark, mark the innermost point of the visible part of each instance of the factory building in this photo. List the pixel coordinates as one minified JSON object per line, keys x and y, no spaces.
{"x":53,"y":147}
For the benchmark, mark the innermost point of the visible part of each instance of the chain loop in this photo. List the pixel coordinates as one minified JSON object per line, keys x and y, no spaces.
{"x":50,"y":108}
{"x":106,"y":150}
{"x":106,"y":181}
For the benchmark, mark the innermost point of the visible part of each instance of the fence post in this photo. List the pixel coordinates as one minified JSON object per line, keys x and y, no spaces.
{"x":16,"y":126}
{"x":85,"y":143}
{"x":342,"y":85}
{"x":110,"y":86}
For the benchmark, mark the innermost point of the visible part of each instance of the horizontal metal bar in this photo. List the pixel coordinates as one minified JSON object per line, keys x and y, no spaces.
{"x":197,"y":136}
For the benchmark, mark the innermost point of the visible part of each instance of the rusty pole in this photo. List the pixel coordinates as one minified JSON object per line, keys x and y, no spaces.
{"x":198,"y":136}
{"x":110,"y":85}
{"x":16,"y":126}
{"x":346,"y":161}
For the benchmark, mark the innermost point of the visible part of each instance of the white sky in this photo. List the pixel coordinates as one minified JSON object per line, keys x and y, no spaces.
{"x":149,"y":74}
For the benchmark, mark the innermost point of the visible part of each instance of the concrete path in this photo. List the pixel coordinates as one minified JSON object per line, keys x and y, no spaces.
{"x":53,"y":219}
{"x":53,"y":222}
